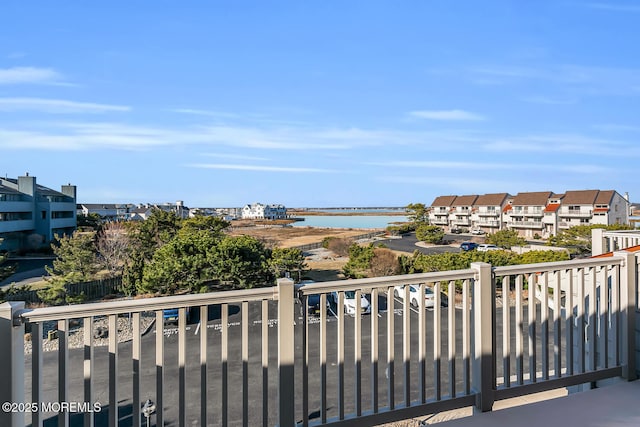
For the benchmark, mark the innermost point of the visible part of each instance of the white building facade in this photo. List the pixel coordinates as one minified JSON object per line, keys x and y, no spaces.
{"x":261,"y":211}
{"x":532,"y":214}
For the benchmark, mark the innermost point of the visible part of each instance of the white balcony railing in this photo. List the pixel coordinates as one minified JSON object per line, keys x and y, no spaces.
{"x":491,"y":334}
{"x":487,"y":223}
{"x":574,"y":213}
{"x":526,"y":224}
{"x":488,"y":213}
{"x":528,"y":212}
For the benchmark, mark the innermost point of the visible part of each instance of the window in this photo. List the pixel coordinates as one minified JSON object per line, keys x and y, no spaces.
{"x":44,"y":214}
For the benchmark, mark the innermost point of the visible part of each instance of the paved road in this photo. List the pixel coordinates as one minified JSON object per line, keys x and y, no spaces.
{"x":193,"y":332}
{"x":28,"y":270}
{"x":408,"y":244}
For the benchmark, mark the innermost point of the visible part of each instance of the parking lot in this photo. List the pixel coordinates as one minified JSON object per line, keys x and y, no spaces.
{"x":213,"y":328}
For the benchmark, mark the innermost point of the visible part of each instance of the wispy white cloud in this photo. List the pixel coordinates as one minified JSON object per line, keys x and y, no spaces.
{"x":580,"y":79}
{"x":615,"y":7}
{"x":550,"y":101}
{"x":456,"y":115}
{"x":33,"y":75}
{"x":58,"y":106}
{"x":62,"y":135}
{"x":483,"y":166}
{"x":451,"y":183}
{"x":206,"y":113}
{"x":235,"y":156}
{"x":259,"y":168}
{"x":563,"y":143}
{"x":612,"y":127}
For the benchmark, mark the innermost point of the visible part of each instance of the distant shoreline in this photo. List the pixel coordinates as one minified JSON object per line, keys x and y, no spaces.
{"x":294,"y":213}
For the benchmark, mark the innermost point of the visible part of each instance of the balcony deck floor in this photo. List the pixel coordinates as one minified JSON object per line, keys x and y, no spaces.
{"x":613,"y":405}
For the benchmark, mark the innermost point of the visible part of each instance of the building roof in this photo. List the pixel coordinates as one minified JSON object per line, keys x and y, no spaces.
{"x":552,"y":207}
{"x":581,"y":197}
{"x":8,"y":190}
{"x":495,"y":199}
{"x":100,"y":205}
{"x":443,"y":201}
{"x":605,"y":197}
{"x":467,"y":200}
{"x":40,"y":190}
{"x":538,"y":198}
{"x":632,"y":249}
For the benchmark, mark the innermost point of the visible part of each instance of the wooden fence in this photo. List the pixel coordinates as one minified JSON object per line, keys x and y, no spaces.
{"x":91,"y":290}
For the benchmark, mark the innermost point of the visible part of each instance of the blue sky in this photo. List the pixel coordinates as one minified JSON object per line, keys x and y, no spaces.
{"x":320,"y":103}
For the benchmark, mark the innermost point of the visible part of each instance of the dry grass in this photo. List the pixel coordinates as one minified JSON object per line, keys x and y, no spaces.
{"x":286,"y":237}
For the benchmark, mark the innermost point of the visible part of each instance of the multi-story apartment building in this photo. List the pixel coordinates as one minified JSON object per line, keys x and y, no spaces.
{"x":526,"y":213}
{"x":260,"y":211}
{"x":31,"y":215}
{"x":460,"y":214}
{"x":593,"y":207}
{"x":440,"y":209}
{"x":541,"y":213}
{"x":487,"y":212}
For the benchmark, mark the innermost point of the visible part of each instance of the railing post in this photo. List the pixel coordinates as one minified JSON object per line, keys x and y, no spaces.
{"x":12,"y":362}
{"x":483,"y":336}
{"x":286,"y":353}
{"x":598,"y":242}
{"x":628,"y":305}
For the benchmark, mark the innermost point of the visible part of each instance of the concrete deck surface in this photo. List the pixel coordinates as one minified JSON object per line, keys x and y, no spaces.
{"x":616,"y":405}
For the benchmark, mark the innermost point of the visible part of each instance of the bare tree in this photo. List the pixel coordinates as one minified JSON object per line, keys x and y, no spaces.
{"x":113,"y":246}
{"x":384,"y":263}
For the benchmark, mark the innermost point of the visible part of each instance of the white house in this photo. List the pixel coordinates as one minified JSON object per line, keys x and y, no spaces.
{"x":260,"y":211}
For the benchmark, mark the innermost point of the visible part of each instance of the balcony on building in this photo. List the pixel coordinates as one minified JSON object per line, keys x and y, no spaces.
{"x":488,"y":223}
{"x":528,"y":211}
{"x":526,"y":224}
{"x":488,"y":212}
{"x":575,"y":213}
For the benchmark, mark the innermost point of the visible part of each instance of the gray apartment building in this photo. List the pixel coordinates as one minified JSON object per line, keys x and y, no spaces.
{"x":31,"y":215}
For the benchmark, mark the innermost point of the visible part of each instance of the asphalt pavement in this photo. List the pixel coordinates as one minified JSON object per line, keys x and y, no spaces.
{"x":234,"y":366}
{"x":408,"y":243}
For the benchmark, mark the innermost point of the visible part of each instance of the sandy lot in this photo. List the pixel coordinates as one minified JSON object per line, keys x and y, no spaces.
{"x":286,"y":237}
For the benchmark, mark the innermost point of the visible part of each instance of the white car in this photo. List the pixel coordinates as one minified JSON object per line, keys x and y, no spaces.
{"x":350,"y":302}
{"x":414,"y":296}
{"x":477,"y":231}
{"x":485,"y":247}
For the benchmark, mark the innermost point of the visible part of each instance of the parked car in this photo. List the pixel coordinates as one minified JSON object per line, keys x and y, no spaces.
{"x":171,"y":314}
{"x":456,"y":230}
{"x":314,"y":305}
{"x":468,"y":246}
{"x":485,"y":247}
{"x":414,"y":296}
{"x":313,"y":300}
{"x":477,"y":231}
{"x":350,"y":302}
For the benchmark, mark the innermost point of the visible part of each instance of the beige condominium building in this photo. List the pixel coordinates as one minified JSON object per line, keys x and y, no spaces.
{"x":531,"y":214}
